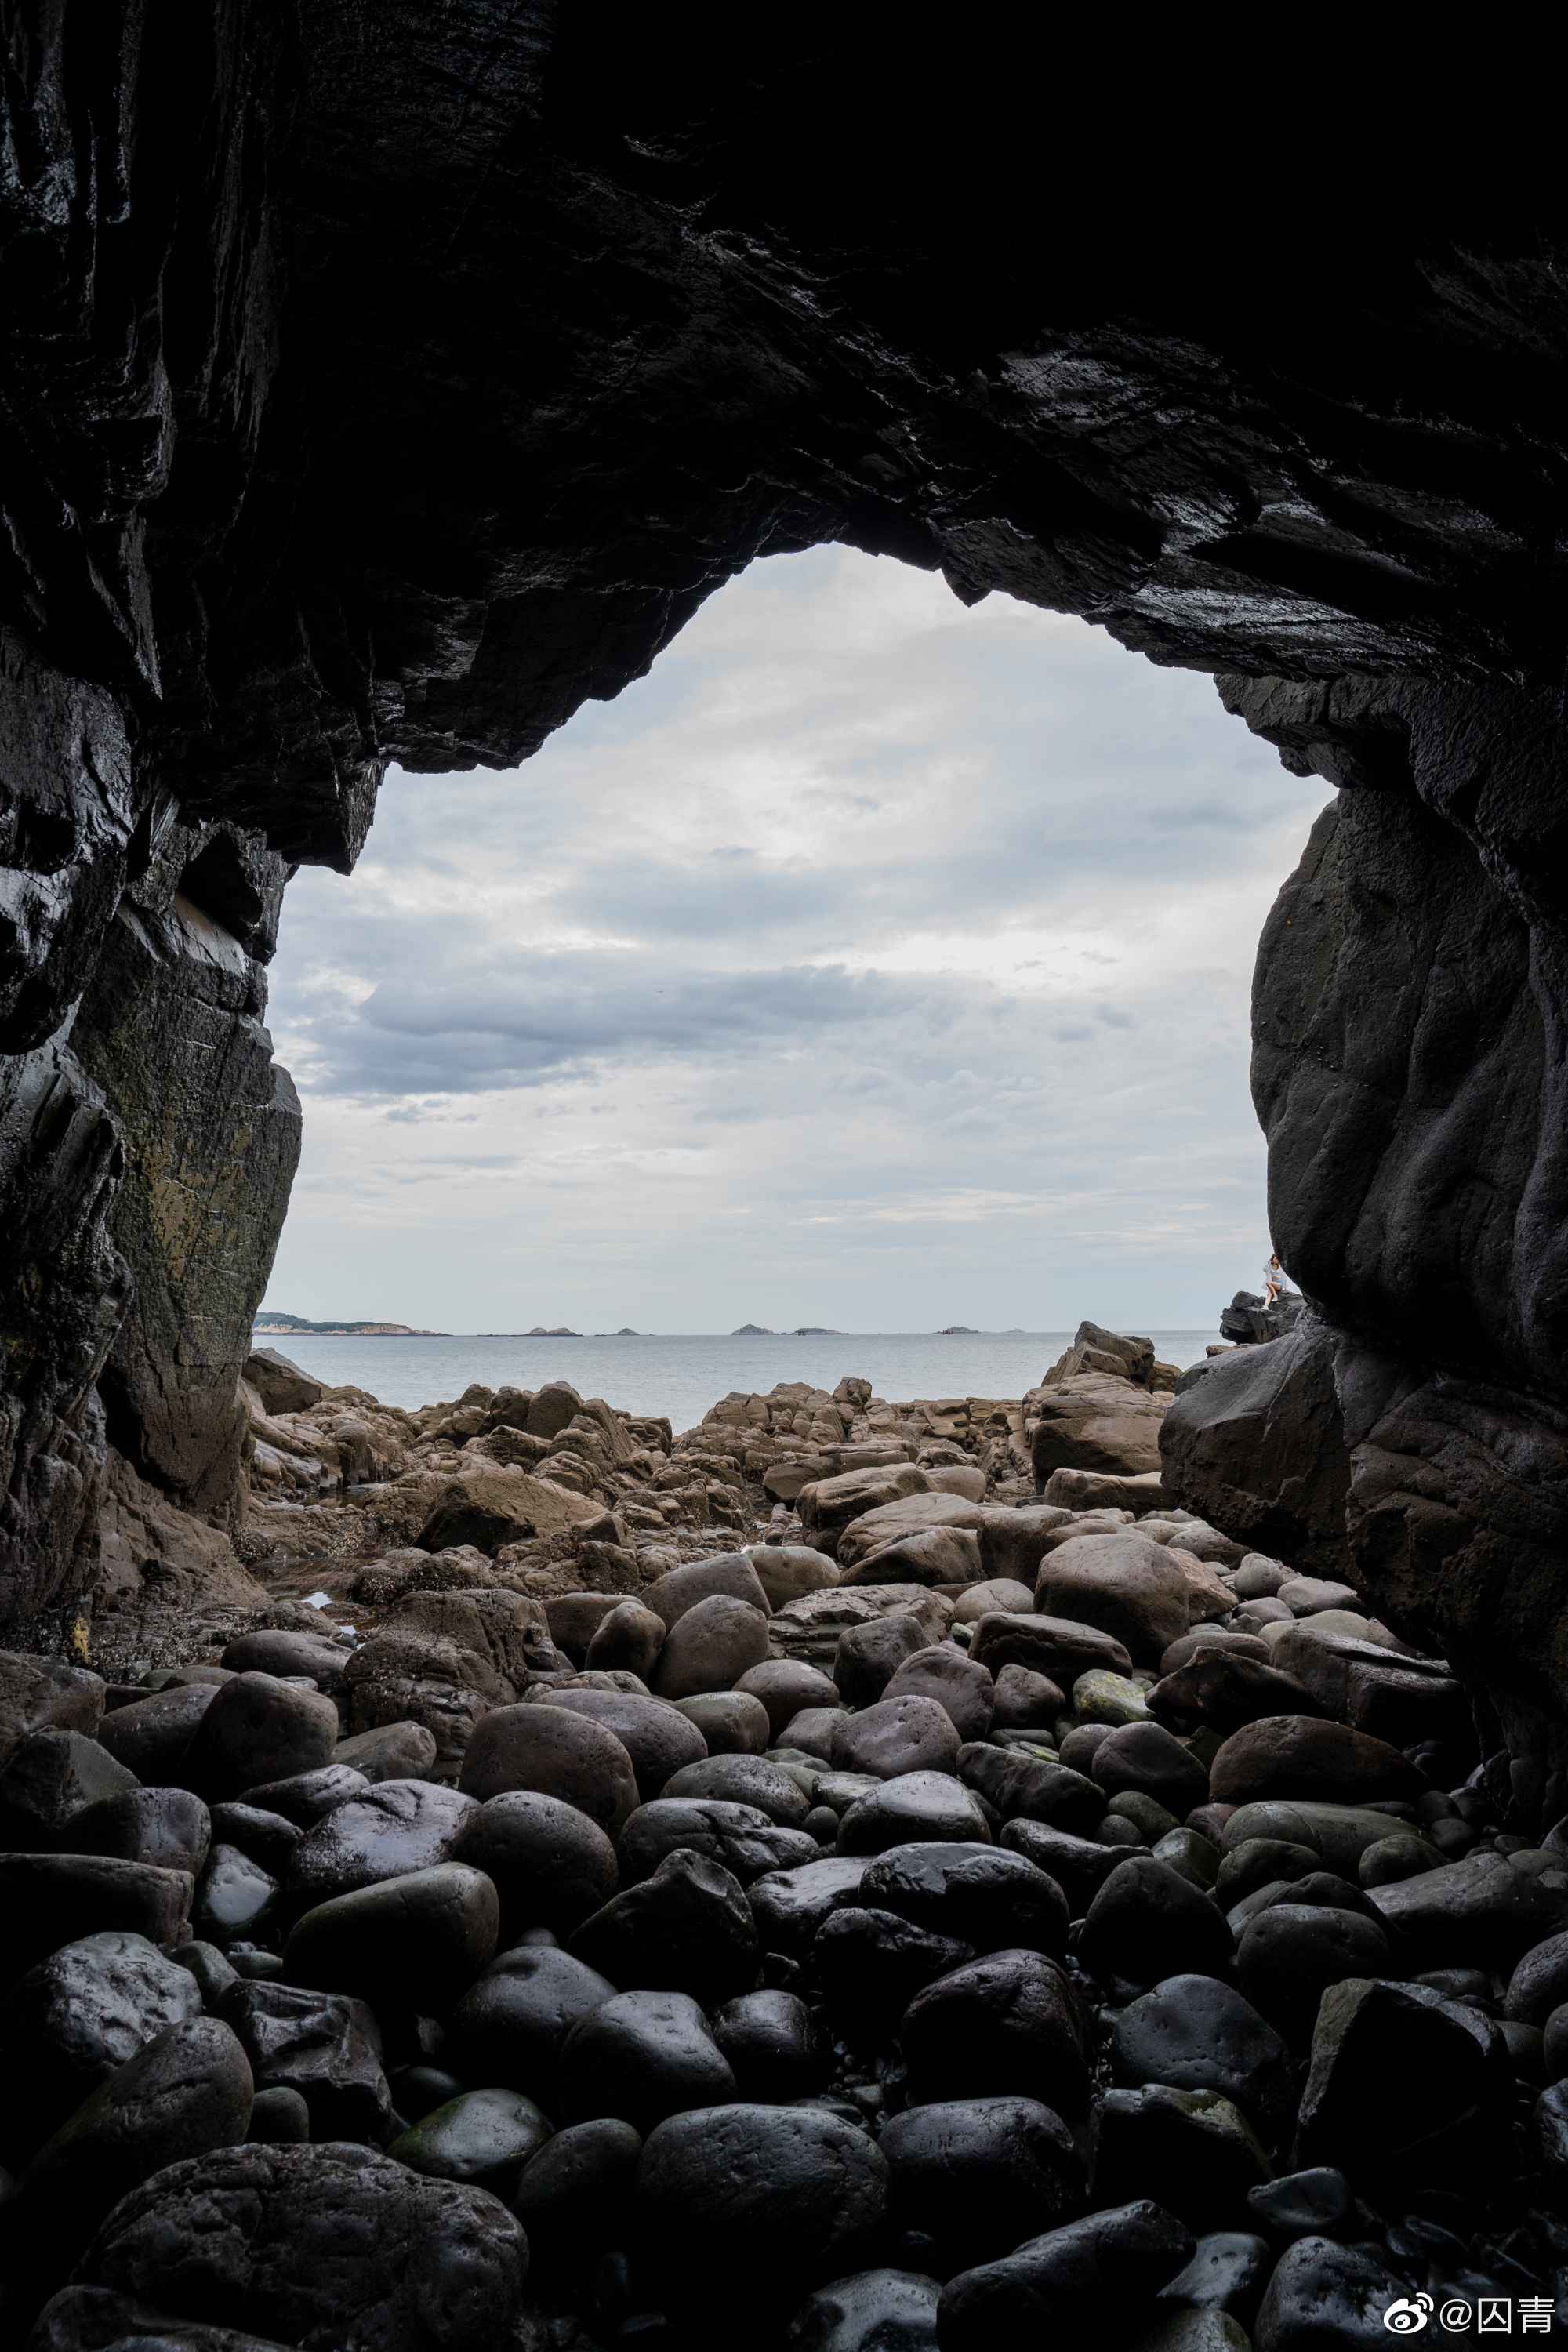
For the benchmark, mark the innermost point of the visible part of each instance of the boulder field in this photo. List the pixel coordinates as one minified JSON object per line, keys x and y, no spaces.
{"x":913,"y":1911}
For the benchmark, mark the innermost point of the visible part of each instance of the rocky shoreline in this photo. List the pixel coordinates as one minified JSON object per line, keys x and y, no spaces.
{"x":860,"y":1876}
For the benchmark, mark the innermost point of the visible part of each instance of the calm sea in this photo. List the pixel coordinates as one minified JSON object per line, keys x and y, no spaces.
{"x":683,"y":1376}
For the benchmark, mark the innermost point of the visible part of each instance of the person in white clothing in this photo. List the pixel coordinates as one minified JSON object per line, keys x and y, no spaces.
{"x":1273,"y":1278}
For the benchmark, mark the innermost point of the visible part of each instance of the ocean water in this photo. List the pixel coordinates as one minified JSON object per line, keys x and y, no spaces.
{"x":682,"y":1376}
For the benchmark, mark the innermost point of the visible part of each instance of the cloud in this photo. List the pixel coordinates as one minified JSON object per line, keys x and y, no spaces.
{"x":871,"y":938}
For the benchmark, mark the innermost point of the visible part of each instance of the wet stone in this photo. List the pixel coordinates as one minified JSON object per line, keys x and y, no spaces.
{"x":396,"y":1827}
{"x":324,"y":2046}
{"x":1194,"y":2152}
{"x":740,"y":1837}
{"x":75,"y":2018}
{"x":188,"y":2091}
{"x":723,"y":2198}
{"x":1315,"y":2202}
{"x":1228,"y":2271}
{"x":1196,"y":2033}
{"x":509,"y":2028}
{"x":307,"y":1798}
{"x":744,"y":1781}
{"x":268,"y":1839}
{"x":1322,"y":2293}
{"x":774,"y":2045}
{"x":979,"y":2176}
{"x":871,"y":1964}
{"x":235,"y":1897}
{"x":1005,"y":2025}
{"x":574,"y":2194}
{"x":1080,"y":1866}
{"x":642,"y":2056}
{"x":1146,"y":1924}
{"x":549,"y":1864}
{"x":412,"y":1944}
{"x":168,"y":1827}
{"x":731,"y":1722}
{"x":686,"y":1928}
{"x":482,"y":2136}
{"x":257,"y":1730}
{"x":335,"y":2245}
{"x":1057,"y":2288}
{"x":279,"y":2115}
{"x":659,"y":1739}
{"x":914,"y":1807}
{"x":870,"y":2311}
{"x":1290,"y":1955}
{"x":984,"y":1897}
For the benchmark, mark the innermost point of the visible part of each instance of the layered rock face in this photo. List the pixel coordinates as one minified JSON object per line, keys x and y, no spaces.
{"x":374,"y":394}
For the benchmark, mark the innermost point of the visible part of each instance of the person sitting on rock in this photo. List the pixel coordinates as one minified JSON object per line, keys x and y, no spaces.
{"x":1273,"y":1278}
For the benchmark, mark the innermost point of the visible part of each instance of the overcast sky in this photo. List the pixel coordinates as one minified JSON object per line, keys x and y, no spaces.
{"x":873,"y":962}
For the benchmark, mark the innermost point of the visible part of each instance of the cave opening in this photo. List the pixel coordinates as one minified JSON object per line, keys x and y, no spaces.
{"x":878,"y":960}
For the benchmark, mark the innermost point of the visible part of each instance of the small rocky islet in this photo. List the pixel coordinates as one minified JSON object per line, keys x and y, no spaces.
{"x":853,"y":1876}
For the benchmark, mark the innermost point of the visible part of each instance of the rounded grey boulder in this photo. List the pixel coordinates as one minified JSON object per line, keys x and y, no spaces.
{"x":740,"y":2193}
{"x":258,"y":1730}
{"x":413,"y":1943}
{"x":550,"y":1865}
{"x":558,"y":1751}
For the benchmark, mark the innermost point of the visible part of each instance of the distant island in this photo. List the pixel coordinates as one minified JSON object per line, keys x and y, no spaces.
{"x":958,"y":1331}
{"x":298,"y":1324}
{"x":754,"y":1331}
{"x":556,"y":1331}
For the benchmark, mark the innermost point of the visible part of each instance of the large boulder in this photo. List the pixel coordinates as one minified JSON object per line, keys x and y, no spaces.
{"x":150,"y":1735}
{"x":1095,"y":1420}
{"x":711,"y":1646}
{"x":731,"y":1574}
{"x":408,"y":1676}
{"x":1128,"y":1587}
{"x":560,"y":1753}
{"x":75,"y":2018}
{"x":740,"y":1837}
{"x":1257,"y":1447}
{"x":51,"y":1777}
{"x":510,"y":1631}
{"x":658,"y":1737}
{"x":1407,"y":2091}
{"x":405,"y":1945}
{"x":548,"y":1862}
{"x":394,"y":1828}
{"x":1060,"y":1648}
{"x":641,"y":2057}
{"x":893,"y":1523}
{"x":489,"y":1512}
{"x":829,"y":1504}
{"x":186,"y":2092}
{"x":965,"y":1691}
{"x":906,"y":1733}
{"x":324,"y":2046}
{"x":1005,"y":2025}
{"x":169,"y":1828}
{"x":334,"y":2246}
{"x":685,"y":1929}
{"x":1195,"y":2033}
{"x":37,"y":1695}
{"x":1057,"y":2288}
{"x":739,"y":2193}
{"x":1291,"y":1757}
{"x":1479,"y":1913}
{"x":258,"y":1730}
{"x":510,"y":2026}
